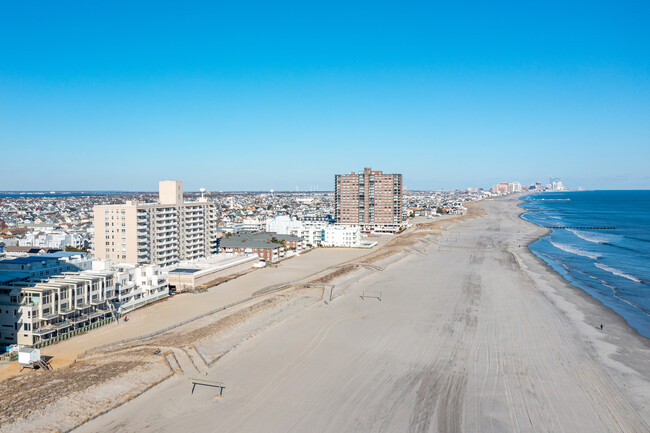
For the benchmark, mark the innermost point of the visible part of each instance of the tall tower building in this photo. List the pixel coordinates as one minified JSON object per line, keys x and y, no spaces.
{"x":371,"y":200}
{"x":160,"y":233}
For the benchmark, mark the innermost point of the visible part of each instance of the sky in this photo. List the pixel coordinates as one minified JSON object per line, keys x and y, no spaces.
{"x":230,"y":96}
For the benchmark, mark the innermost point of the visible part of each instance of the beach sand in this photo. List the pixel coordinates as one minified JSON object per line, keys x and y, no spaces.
{"x":466,"y":331}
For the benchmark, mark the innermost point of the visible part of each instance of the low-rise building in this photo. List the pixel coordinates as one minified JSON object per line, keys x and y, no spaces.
{"x":309,"y":229}
{"x":63,"y":304}
{"x":342,"y":236}
{"x":43,"y":266}
{"x":269,"y":247}
{"x":35,"y":309}
{"x":264,"y":248}
{"x":190,"y":275}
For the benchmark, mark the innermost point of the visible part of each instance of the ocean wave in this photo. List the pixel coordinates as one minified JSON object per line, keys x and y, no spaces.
{"x":596,"y":238}
{"x":617,"y":272}
{"x":576,"y":251}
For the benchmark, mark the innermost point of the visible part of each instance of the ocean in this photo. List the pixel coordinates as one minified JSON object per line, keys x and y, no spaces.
{"x":54,"y":194}
{"x":613,"y":266}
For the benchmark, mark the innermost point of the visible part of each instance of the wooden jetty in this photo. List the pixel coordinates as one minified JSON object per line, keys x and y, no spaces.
{"x":581,"y":227}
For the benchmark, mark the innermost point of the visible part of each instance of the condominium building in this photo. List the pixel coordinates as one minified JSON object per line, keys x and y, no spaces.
{"x":371,"y":200}
{"x":316,"y":231}
{"x":76,"y":300}
{"x":160,"y":233}
{"x":341,"y":236}
{"x":311,"y":230}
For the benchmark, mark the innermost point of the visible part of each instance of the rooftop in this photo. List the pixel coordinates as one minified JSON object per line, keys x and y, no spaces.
{"x":41,"y":257}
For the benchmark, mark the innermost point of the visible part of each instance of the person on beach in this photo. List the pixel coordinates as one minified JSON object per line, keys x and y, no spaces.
{"x":601,"y":326}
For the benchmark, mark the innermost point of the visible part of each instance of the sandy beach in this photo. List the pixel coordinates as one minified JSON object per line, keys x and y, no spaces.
{"x":465,"y":330}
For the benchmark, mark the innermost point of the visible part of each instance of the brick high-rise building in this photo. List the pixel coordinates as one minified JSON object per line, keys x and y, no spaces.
{"x":160,"y":233}
{"x":371,"y":200}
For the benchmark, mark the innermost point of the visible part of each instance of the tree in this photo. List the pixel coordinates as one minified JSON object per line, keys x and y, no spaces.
{"x":72,"y":249}
{"x":276,"y":240}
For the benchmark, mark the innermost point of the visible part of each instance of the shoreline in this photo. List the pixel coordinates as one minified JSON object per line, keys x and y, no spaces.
{"x":583,"y":292}
{"x":619,"y":346}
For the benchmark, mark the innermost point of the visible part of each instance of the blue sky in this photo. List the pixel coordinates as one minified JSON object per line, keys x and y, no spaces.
{"x":278,"y":95}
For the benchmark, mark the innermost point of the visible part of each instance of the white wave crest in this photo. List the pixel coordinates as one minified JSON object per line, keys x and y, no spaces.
{"x":596,"y":238}
{"x":617,"y":272}
{"x":576,"y":251}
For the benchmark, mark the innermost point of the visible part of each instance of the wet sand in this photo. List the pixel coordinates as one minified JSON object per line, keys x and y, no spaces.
{"x":476,"y":334}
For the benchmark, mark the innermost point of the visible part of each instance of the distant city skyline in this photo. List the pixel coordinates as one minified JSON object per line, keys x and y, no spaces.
{"x":259,"y":96}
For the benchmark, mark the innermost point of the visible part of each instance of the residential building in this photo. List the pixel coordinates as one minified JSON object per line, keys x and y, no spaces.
{"x":269,"y":247}
{"x":500,"y":188}
{"x":34,"y":312}
{"x":138,"y":286}
{"x":309,"y":229}
{"x":52,"y":239}
{"x":371,"y":200}
{"x":40,"y":267}
{"x":160,"y":233}
{"x":342,"y":236}
{"x":265,"y":249}
{"x":514,"y":187}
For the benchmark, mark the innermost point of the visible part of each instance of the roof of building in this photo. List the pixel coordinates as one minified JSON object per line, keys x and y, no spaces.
{"x":59,"y":254}
{"x":183,"y":271}
{"x":286,"y":238}
{"x":7,"y":276}
{"x":244,"y":241}
{"x":40,"y":257}
{"x":29,"y":249}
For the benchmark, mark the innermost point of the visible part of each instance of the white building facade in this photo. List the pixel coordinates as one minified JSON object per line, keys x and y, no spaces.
{"x":342,"y":236}
{"x":311,"y":230}
{"x":71,"y":301}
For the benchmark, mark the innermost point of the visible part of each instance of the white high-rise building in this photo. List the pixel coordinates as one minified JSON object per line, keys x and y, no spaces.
{"x":557,"y":185}
{"x":160,"y":233}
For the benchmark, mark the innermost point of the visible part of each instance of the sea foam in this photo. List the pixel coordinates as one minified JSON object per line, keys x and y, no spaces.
{"x":596,"y":238}
{"x":617,"y":272}
{"x":576,"y":251}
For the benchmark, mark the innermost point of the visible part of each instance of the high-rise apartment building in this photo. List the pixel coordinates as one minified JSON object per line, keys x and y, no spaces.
{"x":371,"y":200}
{"x":160,"y":233}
